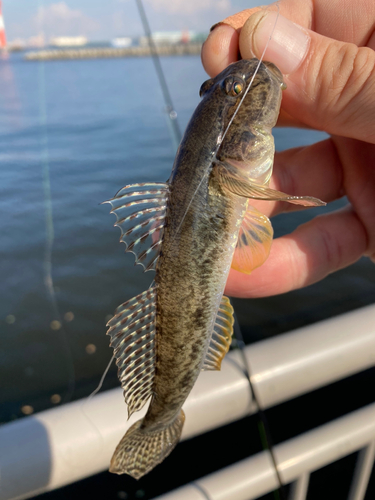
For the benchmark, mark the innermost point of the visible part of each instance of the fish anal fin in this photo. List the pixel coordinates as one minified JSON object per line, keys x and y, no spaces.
{"x":140,"y":212}
{"x":221,"y":336}
{"x":239,"y":185}
{"x":132,"y":333}
{"x":254,"y":241}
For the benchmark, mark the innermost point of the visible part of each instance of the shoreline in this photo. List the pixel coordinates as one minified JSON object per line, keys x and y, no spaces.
{"x":109,"y":52}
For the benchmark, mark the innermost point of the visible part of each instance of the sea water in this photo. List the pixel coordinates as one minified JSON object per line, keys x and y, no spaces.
{"x":72,"y":133}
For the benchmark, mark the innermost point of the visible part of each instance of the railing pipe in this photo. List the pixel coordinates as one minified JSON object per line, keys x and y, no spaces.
{"x":255,"y":476}
{"x":362,"y":472}
{"x":298,"y":489}
{"x":68,"y":443}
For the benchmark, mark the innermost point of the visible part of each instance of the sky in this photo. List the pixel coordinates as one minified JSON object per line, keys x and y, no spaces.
{"x":106,"y":19}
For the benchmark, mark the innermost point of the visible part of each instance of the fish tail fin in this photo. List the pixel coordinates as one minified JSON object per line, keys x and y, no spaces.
{"x":140,"y":450}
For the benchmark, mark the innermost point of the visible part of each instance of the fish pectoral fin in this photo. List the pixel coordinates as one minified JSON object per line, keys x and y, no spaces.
{"x":254,"y":241}
{"x":239,"y":185}
{"x":132,"y":332}
{"x":221,"y":336}
{"x":140,"y":211}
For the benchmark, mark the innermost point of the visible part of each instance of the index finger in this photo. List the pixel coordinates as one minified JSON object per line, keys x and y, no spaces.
{"x":343,"y":20}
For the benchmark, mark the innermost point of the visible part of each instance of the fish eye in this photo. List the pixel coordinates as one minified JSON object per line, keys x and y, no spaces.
{"x":233,"y":87}
{"x":237,"y":88}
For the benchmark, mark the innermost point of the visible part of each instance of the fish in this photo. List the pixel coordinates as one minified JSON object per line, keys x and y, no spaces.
{"x":191,"y":230}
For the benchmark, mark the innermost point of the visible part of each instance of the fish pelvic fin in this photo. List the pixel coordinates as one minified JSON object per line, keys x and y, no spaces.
{"x":140,"y":450}
{"x":254,"y":241}
{"x":239,"y":185}
{"x":221,"y":337}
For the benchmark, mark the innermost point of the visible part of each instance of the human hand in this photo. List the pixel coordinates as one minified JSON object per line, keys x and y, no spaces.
{"x":329,"y":63}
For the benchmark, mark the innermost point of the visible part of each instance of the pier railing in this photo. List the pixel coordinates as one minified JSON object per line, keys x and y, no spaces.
{"x":296,"y":459}
{"x":62,"y":445}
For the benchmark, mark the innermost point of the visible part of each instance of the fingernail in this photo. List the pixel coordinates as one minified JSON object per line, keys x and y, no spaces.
{"x":288,"y":45}
{"x":214,"y":26}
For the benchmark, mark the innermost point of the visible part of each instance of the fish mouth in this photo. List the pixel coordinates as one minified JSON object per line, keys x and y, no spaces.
{"x":276,"y":72}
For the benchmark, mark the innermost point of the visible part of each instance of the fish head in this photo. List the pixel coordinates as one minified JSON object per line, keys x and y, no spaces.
{"x":248,"y":144}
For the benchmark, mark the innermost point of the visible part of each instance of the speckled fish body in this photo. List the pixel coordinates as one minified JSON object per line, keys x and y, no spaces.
{"x":200,"y":234}
{"x":164,"y":337}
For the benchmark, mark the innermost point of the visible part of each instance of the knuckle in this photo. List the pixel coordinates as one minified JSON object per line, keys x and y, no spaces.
{"x":332,"y":253}
{"x":346,"y":78}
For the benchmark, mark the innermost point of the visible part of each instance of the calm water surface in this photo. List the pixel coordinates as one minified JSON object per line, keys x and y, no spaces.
{"x":71,"y":134}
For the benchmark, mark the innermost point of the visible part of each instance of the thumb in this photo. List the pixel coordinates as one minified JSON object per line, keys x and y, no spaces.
{"x":330,"y":84}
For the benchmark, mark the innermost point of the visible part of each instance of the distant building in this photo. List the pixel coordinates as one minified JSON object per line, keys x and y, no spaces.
{"x":17,"y":44}
{"x":34,"y":42}
{"x":199,"y":37}
{"x":168,"y":37}
{"x":68,"y":41}
{"x":121,"y":42}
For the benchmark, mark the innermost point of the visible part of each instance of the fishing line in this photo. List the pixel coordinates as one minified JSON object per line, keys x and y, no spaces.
{"x":48,"y":275}
{"x":47,"y":261}
{"x":264,"y":430}
{"x":201,"y":490}
{"x":88,"y":399}
{"x":252,"y":78}
{"x":235,"y":112}
{"x":99,"y":386}
{"x":187,"y":209}
{"x":267,"y":441}
{"x":101,"y":382}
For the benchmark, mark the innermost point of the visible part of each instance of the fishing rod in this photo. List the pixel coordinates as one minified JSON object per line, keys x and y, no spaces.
{"x":169,"y":108}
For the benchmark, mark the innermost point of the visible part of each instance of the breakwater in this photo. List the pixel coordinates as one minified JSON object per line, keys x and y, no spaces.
{"x":109,"y":52}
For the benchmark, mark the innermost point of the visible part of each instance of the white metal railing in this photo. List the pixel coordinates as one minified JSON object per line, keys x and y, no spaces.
{"x":66,"y":444}
{"x":298,"y":489}
{"x":296,"y":459}
{"x":362,"y":472}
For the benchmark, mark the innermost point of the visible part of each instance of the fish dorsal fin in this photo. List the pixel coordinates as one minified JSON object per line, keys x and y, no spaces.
{"x":132,"y":332}
{"x":140,"y":211}
{"x":239,"y":185}
{"x":221,"y":336}
{"x":254,"y":241}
